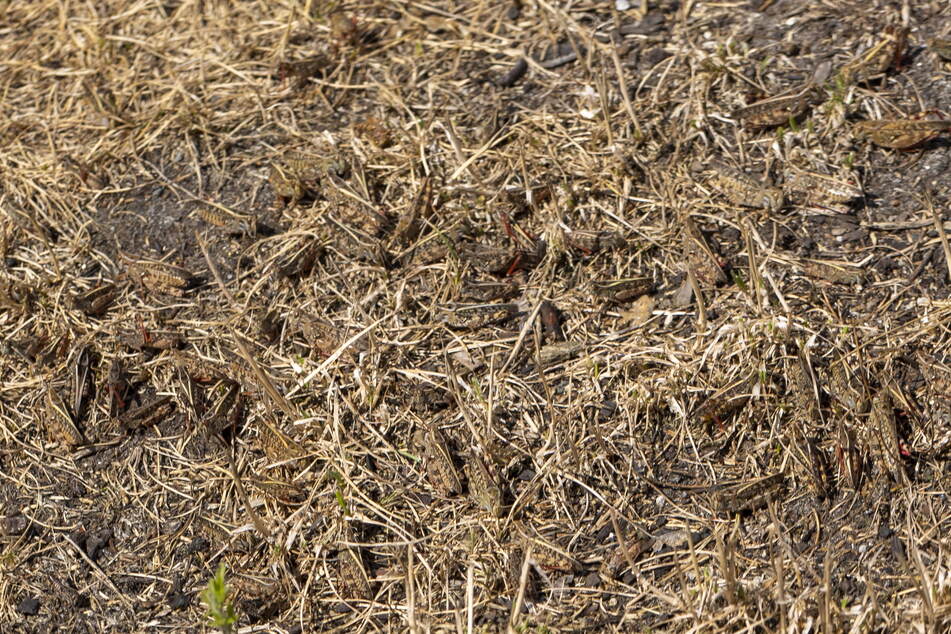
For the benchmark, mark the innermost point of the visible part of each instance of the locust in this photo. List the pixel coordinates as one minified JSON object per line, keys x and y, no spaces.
{"x":148,"y":413}
{"x":161,"y":277}
{"x":941,"y":46}
{"x":820,"y":189}
{"x":900,"y":134}
{"x":699,"y":257}
{"x":61,"y":426}
{"x":440,"y":465}
{"x":745,"y":190}
{"x":230,"y":221}
{"x":750,"y":495}
{"x":472,"y":316}
{"x":876,"y":61}
{"x":623,"y":290}
{"x":483,"y":485}
{"x":95,"y":301}
{"x":591,"y":242}
{"x":776,"y":110}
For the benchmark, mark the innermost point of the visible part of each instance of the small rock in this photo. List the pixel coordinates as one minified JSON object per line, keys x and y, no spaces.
{"x":28,"y":606}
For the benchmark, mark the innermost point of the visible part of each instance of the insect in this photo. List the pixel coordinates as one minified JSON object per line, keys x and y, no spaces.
{"x":941,"y":46}
{"x":61,"y":426}
{"x":699,"y":257}
{"x":883,"y":423}
{"x":591,"y":242}
{"x":161,"y":277}
{"x":819,"y":188}
{"x":625,"y":289}
{"x":228,"y":220}
{"x":483,"y":486}
{"x":299,"y":260}
{"x":95,"y":301}
{"x":775,"y":110}
{"x":557,"y":352}
{"x":744,"y":190}
{"x":296,"y":177}
{"x":900,"y":134}
{"x":440,"y":465}
{"x":410,"y":222}
{"x":81,"y":380}
{"x":352,"y":579}
{"x":487,"y":291}
{"x":876,"y":61}
{"x":725,"y":402}
{"x":148,"y":413}
{"x":750,"y":495}
{"x":227,"y":407}
{"x":472,"y":316}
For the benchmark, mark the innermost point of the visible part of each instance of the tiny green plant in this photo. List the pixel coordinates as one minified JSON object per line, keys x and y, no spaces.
{"x":215,"y":597}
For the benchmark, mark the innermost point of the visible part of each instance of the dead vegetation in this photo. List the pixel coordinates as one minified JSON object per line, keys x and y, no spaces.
{"x":476,"y":316}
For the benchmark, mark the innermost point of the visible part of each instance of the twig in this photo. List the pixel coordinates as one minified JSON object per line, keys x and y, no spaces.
{"x":939,"y":225}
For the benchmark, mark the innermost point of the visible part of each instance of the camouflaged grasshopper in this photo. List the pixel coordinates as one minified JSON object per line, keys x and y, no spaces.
{"x":819,"y":189}
{"x":749,"y":496}
{"x":900,"y":134}
{"x":472,"y":316}
{"x":876,"y":61}
{"x":60,"y":425}
{"x":745,"y":190}
{"x":941,"y":46}
{"x":623,"y":290}
{"x":438,"y":460}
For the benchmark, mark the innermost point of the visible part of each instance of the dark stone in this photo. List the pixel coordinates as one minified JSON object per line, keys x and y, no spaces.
{"x":28,"y":606}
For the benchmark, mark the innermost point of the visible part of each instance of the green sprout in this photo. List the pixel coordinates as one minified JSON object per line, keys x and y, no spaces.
{"x":338,"y":492}
{"x":215,"y":597}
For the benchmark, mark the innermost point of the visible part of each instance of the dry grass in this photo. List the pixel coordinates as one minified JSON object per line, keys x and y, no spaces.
{"x":290,"y":210}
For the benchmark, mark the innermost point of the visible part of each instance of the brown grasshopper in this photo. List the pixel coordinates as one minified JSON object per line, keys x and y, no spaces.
{"x":900,"y":134}
{"x":95,"y":301}
{"x":776,"y":110}
{"x":699,"y":257}
{"x":941,"y":46}
{"x":820,"y":189}
{"x":623,"y":290}
{"x":473,"y":316}
{"x":439,"y":462}
{"x":744,"y":190}
{"x":60,"y":424}
{"x":161,"y":277}
{"x":876,"y":61}
{"x":749,"y":496}
{"x":484,"y":486}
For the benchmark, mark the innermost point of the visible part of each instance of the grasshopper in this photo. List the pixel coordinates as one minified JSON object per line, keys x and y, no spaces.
{"x":440,"y":465}
{"x":624,"y":290}
{"x":61,"y":426}
{"x":900,"y":134}
{"x":148,"y":414}
{"x":161,"y":277}
{"x":749,"y":496}
{"x":699,"y":257}
{"x":591,"y":242}
{"x":230,"y":221}
{"x":744,"y":190}
{"x":95,"y":301}
{"x":941,"y":46}
{"x":820,"y":189}
{"x":876,"y":61}
{"x":484,"y":485}
{"x":472,"y":316}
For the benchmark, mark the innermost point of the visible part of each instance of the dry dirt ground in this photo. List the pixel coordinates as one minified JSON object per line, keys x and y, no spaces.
{"x":475,"y":315}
